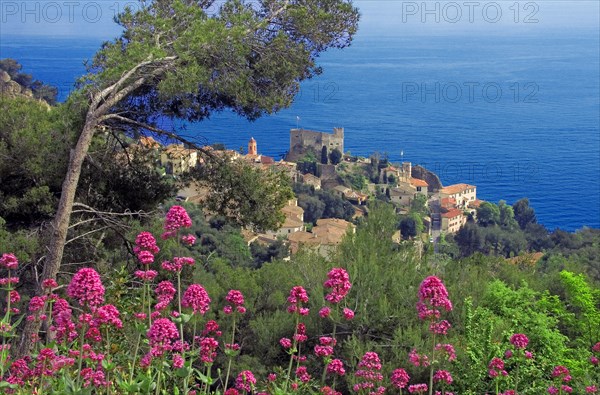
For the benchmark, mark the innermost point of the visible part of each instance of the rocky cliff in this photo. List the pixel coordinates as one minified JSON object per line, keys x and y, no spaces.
{"x":431,"y":178}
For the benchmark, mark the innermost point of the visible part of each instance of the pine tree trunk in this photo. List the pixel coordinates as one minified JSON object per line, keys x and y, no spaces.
{"x":59,"y":227}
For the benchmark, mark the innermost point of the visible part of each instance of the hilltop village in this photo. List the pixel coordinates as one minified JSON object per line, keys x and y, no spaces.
{"x":316,"y":164}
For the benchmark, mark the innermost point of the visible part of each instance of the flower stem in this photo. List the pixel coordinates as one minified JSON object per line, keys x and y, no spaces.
{"x":230,"y":357}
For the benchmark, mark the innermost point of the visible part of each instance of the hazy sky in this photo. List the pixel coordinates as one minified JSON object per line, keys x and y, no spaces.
{"x":379,"y":17}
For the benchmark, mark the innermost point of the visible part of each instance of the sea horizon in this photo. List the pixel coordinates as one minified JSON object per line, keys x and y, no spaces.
{"x":515,"y":116}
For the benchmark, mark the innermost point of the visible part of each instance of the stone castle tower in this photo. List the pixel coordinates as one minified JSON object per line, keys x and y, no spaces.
{"x":252,"y":149}
{"x":301,"y":140}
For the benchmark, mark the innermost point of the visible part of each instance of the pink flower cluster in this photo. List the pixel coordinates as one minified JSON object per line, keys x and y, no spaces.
{"x":442,"y":376}
{"x":236,"y":298}
{"x":9,"y":261}
{"x":432,"y":294}
{"x":302,"y":374}
{"x":325,"y":348}
{"x":369,"y":372}
{"x":177,"y":218}
{"x":338,"y":281}
{"x":519,"y":340}
{"x":298,"y":297}
{"x":245,"y":381}
{"x":336,"y":366}
{"x":400,"y":378}
{"x":417,"y":388}
{"x":208,"y":349}
{"x":86,"y":287}
{"x":145,"y":248}
{"x":496,"y":368}
{"x":196,"y":298}
{"x":165,"y":292}
{"x":448,"y":349}
{"x":418,"y":360}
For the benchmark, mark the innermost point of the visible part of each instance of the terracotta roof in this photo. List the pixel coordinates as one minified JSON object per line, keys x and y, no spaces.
{"x":292,"y":223}
{"x":266,"y":160}
{"x":452,"y":213}
{"x":418,"y":182}
{"x":295,"y":211}
{"x":456,"y":188}
{"x":335,"y":222}
{"x":303,"y":237}
{"x":447,"y":202}
{"x":475,"y":203}
{"x":175,"y":150}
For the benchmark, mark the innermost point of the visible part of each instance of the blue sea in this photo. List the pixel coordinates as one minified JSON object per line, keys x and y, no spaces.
{"x":517,"y":116}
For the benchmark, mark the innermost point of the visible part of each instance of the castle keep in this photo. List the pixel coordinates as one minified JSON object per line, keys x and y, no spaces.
{"x":302,"y":141}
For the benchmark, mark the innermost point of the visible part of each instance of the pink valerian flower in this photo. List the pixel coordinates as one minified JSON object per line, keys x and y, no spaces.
{"x":336,"y":366}
{"x":62,"y":324}
{"x":9,"y":281}
{"x":432,"y":294}
{"x":596,"y":348}
{"x":145,"y":257}
{"x":172,"y":266}
{"x":338,"y":281}
{"x":145,"y":241}
{"x":297,"y":298}
{"x":196,"y":298}
{"x":519,"y":340}
{"x":86,"y":287}
{"x":285,"y":342}
{"x":369,"y":371}
{"x":509,"y":392}
{"x":592,"y":389}
{"x":14,"y":296}
{"x":235,"y":297}
{"x":508,"y":354}
{"x":417,"y":388}
{"x":323,"y":351}
{"x":189,"y":239}
{"x":9,"y":261}
{"x":177,"y":218}
{"x":552,"y":390}
{"x":325,"y":312}
{"x":496,"y":368}
{"x":302,"y":374}
{"x":146,"y":275}
{"x":418,"y":360}
{"x":93,"y":377}
{"x":165,"y":291}
{"x":440,"y":328}
{"x":329,"y":391}
{"x":49,"y":284}
{"x":448,"y":349}
{"x":211,"y":327}
{"x":109,"y":315}
{"x":565,"y":388}
{"x":208,"y":350}
{"x":162,"y":333}
{"x":348,"y":314}
{"x":528,"y":355}
{"x":178,"y":361}
{"x":37,"y":303}
{"x":231,"y":391}
{"x":271,"y":377}
{"x":562,"y":373}
{"x":184,"y":260}
{"x":245,"y":381}
{"x":300,"y":335}
{"x":232,"y":347}
{"x":443,"y":376}
{"x":400,"y":378}
{"x":594,"y":360}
